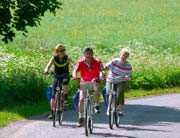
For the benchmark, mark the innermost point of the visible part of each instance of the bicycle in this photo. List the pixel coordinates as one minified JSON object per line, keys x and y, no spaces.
{"x":59,"y":101}
{"x":114,"y":116}
{"x":88,"y":106}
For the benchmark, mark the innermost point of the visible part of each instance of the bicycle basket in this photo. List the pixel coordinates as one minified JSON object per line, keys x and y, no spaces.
{"x":87,"y":86}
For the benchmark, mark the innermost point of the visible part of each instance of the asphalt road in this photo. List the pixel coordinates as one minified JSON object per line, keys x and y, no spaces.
{"x":150,"y":117}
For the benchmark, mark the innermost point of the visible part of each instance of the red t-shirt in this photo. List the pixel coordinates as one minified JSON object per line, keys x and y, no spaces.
{"x":89,"y":72}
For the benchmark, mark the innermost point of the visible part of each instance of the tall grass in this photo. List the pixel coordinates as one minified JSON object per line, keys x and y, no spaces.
{"x":150,"y":29}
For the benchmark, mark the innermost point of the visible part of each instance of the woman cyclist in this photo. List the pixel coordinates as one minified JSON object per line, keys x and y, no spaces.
{"x":61,"y":62}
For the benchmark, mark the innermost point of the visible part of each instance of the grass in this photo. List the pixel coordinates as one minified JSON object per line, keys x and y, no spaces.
{"x":21,"y":112}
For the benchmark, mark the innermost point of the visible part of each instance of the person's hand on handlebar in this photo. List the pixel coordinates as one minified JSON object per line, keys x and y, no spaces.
{"x":102,"y":75}
{"x":127,"y":77}
{"x":75,"y":77}
{"x":46,"y":72}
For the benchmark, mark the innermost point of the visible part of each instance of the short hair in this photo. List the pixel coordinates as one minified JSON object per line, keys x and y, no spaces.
{"x":57,"y":47}
{"x":125,"y":50}
{"x":87,"y":49}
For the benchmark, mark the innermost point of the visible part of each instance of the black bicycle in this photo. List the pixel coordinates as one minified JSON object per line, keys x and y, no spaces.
{"x":59,"y":104}
{"x":114,"y":116}
{"x":59,"y":101}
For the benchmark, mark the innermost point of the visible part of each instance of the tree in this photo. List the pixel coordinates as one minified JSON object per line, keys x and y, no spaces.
{"x":17,"y":15}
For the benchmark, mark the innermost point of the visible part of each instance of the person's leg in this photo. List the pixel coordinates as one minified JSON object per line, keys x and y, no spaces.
{"x":65,"y":81}
{"x":81,"y":108}
{"x":52,"y":102}
{"x":66,"y":87}
{"x":97,"y":93}
{"x":108,"y":88}
{"x":121,"y":87}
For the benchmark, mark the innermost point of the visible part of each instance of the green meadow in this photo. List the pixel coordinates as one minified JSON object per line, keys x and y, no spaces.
{"x":150,"y":29}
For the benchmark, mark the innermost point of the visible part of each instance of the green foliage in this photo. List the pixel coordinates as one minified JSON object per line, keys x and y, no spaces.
{"x":18,"y":14}
{"x":149,"y":80}
{"x":148,"y":29}
{"x":21,"y":80}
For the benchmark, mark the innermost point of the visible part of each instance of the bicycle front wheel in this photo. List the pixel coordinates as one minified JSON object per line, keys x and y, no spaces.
{"x":90,"y":123}
{"x":61,"y":110}
{"x":87,"y":117}
{"x":55,"y":112}
{"x":111,"y":111}
{"x":117,"y":119}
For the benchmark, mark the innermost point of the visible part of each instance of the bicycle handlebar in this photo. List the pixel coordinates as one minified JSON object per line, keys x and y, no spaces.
{"x":52,"y":73}
{"x":117,"y":78}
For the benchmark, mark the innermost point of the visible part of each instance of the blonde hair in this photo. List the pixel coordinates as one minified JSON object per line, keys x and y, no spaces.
{"x":57,"y":47}
{"x":125,"y":50}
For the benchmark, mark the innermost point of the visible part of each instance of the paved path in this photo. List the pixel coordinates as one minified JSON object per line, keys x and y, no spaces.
{"x":150,"y":117}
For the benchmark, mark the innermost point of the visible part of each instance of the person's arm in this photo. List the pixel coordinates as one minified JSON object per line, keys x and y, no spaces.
{"x":74,"y":74}
{"x":107,"y":67}
{"x":128,"y":76}
{"x":75,"y":71}
{"x":102,"y":72}
{"x":71,"y":63}
{"x":50,"y":63}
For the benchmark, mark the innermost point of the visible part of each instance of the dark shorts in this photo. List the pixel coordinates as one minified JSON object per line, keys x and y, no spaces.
{"x":64,"y":79}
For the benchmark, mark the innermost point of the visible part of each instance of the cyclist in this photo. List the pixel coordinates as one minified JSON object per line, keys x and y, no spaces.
{"x":121,"y":71}
{"x":61,"y":62}
{"x":90,"y":68}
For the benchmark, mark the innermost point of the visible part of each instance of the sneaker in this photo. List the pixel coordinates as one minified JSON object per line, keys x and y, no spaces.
{"x":80,"y":122}
{"x":66,"y":100}
{"x":107,"y":112}
{"x":50,"y":116}
{"x":96,"y":110}
{"x":120,"y":113}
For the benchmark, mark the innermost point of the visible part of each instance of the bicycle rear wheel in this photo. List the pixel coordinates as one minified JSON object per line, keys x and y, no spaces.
{"x":111,"y":110}
{"x":87,"y":117}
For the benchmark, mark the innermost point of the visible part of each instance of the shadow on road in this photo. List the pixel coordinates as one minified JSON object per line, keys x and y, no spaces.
{"x":147,"y":114}
{"x":111,"y":135}
{"x":134,"y":115}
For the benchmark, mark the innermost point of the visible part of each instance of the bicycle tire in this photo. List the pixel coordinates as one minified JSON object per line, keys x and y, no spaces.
{"x":111,"y":111}
{"x":61,"y":111}
{"x":87,"y":114}
{"x":90,"y":125}
{"x":117,"y":117}
{"x":117,"y":120}
{"x":91,"y":109}
{"x":55,"y":114}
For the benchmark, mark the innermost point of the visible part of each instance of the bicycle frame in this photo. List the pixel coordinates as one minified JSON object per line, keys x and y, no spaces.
{"x":111,"y":106}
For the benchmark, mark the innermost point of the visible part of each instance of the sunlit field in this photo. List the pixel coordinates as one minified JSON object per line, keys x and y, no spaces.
{"x":149,"y":28}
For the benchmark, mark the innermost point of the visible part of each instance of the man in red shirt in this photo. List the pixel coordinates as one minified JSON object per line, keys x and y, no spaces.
{"x":90,"y":68}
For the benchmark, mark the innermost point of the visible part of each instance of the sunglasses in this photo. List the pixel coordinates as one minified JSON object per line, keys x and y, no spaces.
{"x":63,"y":50}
